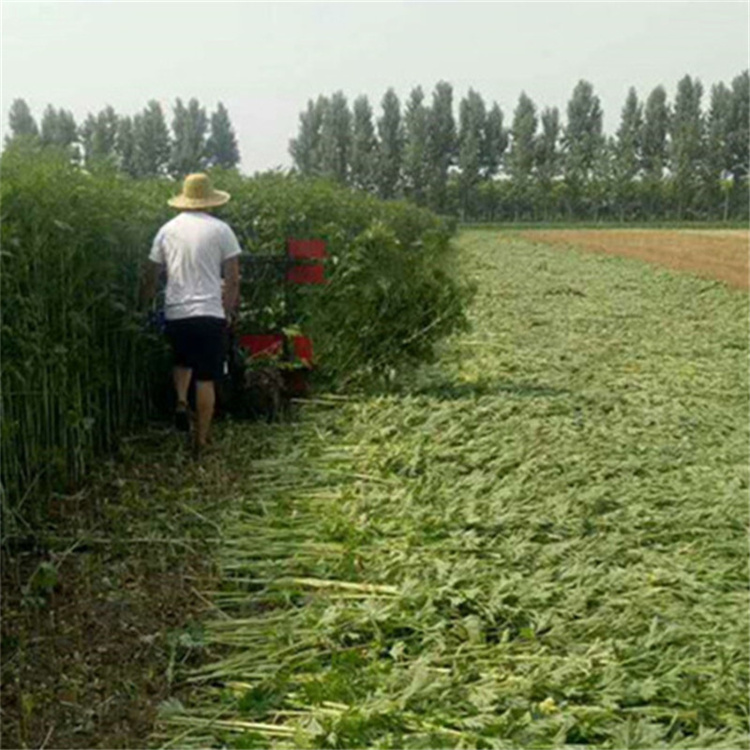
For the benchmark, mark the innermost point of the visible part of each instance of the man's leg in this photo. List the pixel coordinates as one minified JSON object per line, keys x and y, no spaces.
{"x":205,"y":397}
{"x":182,"y":377}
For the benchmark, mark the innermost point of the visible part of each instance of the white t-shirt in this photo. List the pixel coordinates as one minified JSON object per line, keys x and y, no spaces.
{"x":193,"y":247}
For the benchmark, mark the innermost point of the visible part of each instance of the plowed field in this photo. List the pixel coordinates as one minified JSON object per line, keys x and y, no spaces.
{"x":719,"y":254}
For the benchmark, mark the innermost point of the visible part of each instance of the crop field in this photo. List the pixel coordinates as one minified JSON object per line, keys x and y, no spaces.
{"x":538,"y":541}
{"x":713,"y":253}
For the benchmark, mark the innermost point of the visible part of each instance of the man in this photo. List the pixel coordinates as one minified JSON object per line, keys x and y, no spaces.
{"x":196,"y":250}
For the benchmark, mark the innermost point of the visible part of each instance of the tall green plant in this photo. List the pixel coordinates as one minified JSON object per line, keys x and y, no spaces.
{"x":76,"y":367}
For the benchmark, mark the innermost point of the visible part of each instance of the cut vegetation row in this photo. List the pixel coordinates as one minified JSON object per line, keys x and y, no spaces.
{"x":539,"y":541}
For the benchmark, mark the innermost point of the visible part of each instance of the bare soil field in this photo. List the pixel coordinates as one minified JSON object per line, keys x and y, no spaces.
{"x":719,"y":254}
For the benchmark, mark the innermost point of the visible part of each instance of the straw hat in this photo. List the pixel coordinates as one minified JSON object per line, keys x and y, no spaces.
{"x":197,"y":192}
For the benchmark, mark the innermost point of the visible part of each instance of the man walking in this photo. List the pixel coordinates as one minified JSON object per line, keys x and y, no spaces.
{"x":196,"y":250}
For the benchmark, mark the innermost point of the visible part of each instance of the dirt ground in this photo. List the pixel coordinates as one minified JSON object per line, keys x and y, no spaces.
{"x":718,"y":254}
{"x":101,"y":608}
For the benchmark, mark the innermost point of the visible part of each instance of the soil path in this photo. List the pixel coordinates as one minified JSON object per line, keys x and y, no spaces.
{"x":719,"y":254}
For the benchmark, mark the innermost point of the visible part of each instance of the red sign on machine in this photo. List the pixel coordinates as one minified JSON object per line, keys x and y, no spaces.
{"x":263,"y":344}
{"x":306,"y":267}
{"x":305,"y":250}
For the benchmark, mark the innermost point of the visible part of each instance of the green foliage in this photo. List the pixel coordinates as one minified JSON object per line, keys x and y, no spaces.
{"x":471,"y":152}
{"x":583,"y":135}
{"x":151,"y":142}
{"x":76,"y":366}
{"x":655,"y":131}
{"x":629,"y":138}
{"x":739,"y":128}
{"x":98,"y":136}
{"x":79,"y":367}
{"x":21,"y":121}
{"x":650,"y":172}
{"x":415,"y":164}
{"x":59,"y":129}
{"x":442,"y":144}
{"x":221,"y":146}
{"x":125,"y":146}
{"x":494,"y":143}
{"x":305,"y":149}
{"x":336,"y":139}
{"x":364,"y":147}
{"x":190,"y":128}
{"x":390,"y":146}
{"x":687,"y":143}
{"x":523,"y":151}
{"x":390,"y":294}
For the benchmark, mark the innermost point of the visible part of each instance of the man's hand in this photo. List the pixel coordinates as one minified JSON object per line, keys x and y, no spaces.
{"x":149,"y":281}
{"x":231,"y":270}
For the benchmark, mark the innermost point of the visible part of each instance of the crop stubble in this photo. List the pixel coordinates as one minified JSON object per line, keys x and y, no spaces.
{"x":540,"y":541}
{"x":720,"y":254}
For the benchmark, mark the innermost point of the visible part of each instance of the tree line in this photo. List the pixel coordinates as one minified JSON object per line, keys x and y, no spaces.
{"x":666,"y":160}
{"x":140,"y":146}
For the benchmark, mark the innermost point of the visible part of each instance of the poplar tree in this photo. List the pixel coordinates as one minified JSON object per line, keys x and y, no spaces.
{"x":364,"y":146}
{"x":687,"y":142}
{"x":415,"y":163}
{"x":604,"y":186}
{"x":626,"y":152}
{"x":472,"y":124}
{"x":583,"y":133}
{"x":523,"y":140}
{"x":494,"y":143}
{"x":58,"y":128}
{"x":190,"y":130}
{"x":739,"y":127}
{"x":125,"y":146}
{"x":717,"y":161}
{"x":151,"y":141}
{"x":305,"y":148}
{"x":335,"y":138}
{"x":442,"y":143}
{"x":629,"y":137}
{"x":582,"y":140}
{"x":98,"y":135}
{"x":221,"y":145}
{"x":654,"y":149}
{"x":548,"y":157}
{"x":522,"y":152}
{"x":390,"y":146}
{"x":21,"y":121}
{"x":654,"y":134}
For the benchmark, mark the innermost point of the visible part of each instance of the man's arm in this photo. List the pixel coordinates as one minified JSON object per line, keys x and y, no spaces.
{"x":149,"y":281}
{"x":231,"y":269}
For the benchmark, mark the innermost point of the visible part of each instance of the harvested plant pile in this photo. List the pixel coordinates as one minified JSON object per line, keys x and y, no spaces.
{"x":540,"y":542}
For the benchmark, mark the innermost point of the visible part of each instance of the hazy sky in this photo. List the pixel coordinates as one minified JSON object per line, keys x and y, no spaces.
{"x":265,"y":60}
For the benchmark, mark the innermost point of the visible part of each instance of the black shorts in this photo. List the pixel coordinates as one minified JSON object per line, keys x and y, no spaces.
{"x":199,"y":343}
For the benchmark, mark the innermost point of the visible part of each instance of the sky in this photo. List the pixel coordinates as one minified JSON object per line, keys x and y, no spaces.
{"x":265,"y":60}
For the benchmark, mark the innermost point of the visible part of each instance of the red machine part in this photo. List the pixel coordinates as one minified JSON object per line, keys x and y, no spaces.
{"x":306,"y":250}
{"x":303,"y":349}
{"x":263,"y":344}
{"x":307,"y":274}
{"x":272,"y":344}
